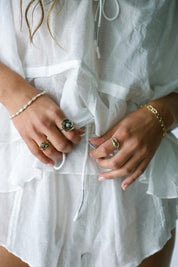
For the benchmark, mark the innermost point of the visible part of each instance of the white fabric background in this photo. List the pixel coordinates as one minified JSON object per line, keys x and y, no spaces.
{"x":174,"y":262}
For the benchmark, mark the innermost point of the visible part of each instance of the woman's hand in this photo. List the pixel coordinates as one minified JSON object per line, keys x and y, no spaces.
{"x":139,"y":135}
{"x":40,"y":122}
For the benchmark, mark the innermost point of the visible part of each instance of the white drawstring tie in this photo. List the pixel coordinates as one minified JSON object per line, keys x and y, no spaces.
{"x":58,"y":167}
{"x":83,"y":176}
{"x":100,"y":10}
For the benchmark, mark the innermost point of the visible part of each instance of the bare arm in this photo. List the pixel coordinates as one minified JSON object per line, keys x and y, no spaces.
{"x":14,"y":90}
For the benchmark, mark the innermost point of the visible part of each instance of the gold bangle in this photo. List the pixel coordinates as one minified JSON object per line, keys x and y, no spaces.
{"x":158,"y":116}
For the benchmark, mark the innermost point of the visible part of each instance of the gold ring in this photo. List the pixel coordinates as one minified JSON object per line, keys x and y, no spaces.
{"x":67,"y":125}
{"x":115,"y":142}
{"x":43,"y":146}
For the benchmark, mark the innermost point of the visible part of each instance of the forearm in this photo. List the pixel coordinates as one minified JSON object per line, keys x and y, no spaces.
{"x":168,"y":109}
{"x":14,"y":90}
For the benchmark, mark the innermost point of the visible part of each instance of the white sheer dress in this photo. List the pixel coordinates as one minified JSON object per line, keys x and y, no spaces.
{"x":38,"y":205}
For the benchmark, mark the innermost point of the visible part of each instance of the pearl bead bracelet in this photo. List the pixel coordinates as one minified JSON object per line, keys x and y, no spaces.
{"x":27,"y":105}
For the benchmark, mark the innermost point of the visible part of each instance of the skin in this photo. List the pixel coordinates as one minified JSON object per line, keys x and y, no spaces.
{"x":139,"y":135}
{"x":40,"y":121}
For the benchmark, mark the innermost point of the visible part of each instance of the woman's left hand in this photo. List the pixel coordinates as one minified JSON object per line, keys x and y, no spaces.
{"x":139,"y":135}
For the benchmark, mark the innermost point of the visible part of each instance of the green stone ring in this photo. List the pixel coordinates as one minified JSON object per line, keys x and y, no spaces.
{"x":44,"y":146}
{"x":115,"y":142}
{"x":67,"y":125}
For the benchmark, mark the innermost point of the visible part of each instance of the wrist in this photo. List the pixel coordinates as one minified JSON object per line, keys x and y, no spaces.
{"x":26,"y":105}
{"x":18,"y":96}
{"x":14,"y":90}
{"x":158,"y":117}
{"x":164,"y":111}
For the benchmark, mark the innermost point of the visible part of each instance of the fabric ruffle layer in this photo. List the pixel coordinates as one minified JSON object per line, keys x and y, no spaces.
{"x":20,"y":166}
{"x":161,"y":175}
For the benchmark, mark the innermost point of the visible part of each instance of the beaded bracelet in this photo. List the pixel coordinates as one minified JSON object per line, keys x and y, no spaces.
{"x":158,"y":116}
{"x":27,"y":105}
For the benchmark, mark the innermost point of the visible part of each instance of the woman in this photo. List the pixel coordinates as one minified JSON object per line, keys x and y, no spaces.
{"x":54,"y":211}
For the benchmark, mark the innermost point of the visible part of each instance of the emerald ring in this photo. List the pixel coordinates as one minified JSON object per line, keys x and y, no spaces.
{"x":115,"y":142}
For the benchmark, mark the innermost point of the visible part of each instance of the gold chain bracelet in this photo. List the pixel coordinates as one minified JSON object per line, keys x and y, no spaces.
{"x":158,"y":116}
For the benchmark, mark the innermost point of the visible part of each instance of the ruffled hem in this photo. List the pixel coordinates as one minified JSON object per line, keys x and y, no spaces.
{"x":16,"y":166}
{"x":18,"y":255}
{"x":156,"y":249}
{"x":20,"y":166}
{"x":161,"y":176}
{"x":31,"y":219}
{"x":135,"y":263}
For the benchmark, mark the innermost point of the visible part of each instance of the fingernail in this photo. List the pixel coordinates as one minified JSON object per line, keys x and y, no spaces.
{"x":80,"y":131}
{"x":102,"y":179}
{"x":90,"y":139}
{"x":124,"y":187}
{"x":93,"y":139}
{"x":91,"y":145}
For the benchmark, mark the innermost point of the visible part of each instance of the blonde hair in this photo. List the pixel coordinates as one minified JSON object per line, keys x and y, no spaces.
{"x":39,"y":3}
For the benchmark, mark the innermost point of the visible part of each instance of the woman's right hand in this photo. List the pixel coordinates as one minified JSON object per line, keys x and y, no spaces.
{"x":40,"y":122}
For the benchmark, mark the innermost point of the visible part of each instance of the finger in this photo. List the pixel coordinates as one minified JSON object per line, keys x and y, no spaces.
{"x":50,"y":151}
{"x":58,"y":140}
{"x":34,"y":148}
{"x":137,"y":172}
{"x":124,"y":170}
{"x":126,"y":159}
{"x":116,"y":161}
{"x":105,"y":149}
{"x":97,"y":141}
{"x":81,"y":132}
{"x":104,"y":144}
{"x":74,"y":136}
